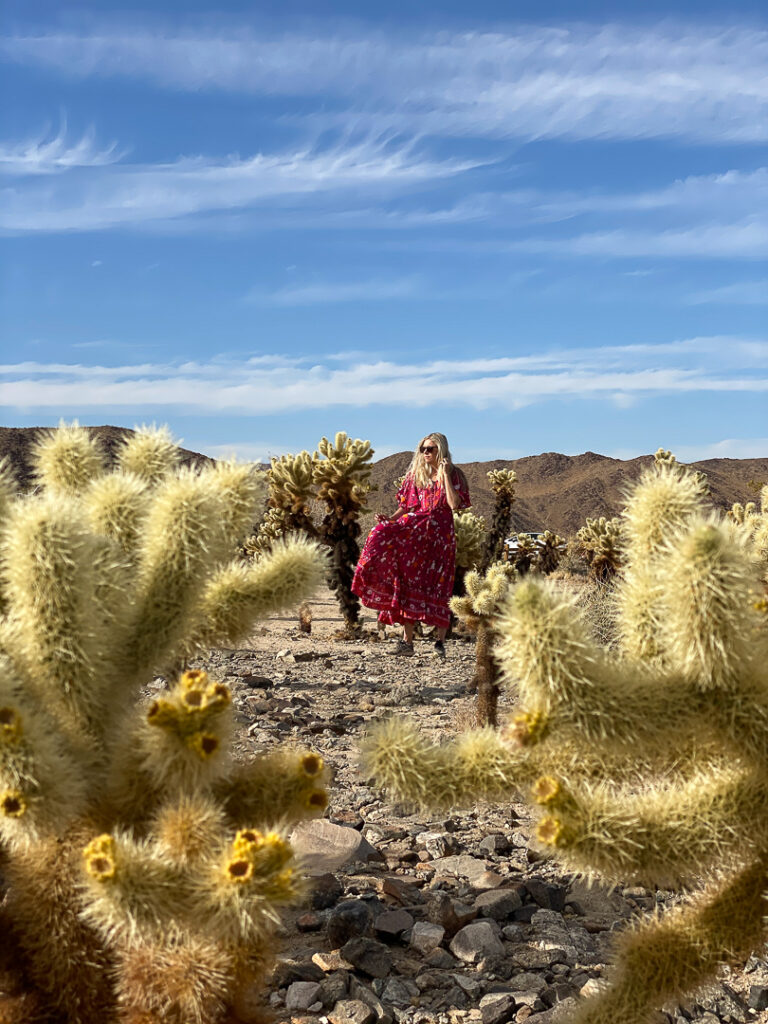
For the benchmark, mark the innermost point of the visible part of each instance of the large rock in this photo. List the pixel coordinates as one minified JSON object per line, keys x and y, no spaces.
{"x":321,"y":846}
{"x":476,"y":941}
{"x":463,"y":866}
{"x":392,"y":923}
{"x":498,"y":1008}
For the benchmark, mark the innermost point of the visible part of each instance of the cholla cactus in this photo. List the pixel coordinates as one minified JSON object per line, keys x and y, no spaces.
{"x":502,"y":483}
{"x":273,"y":527}
{"x":479,"y":610}
{"x":143,"y":869}
{"x":337,"y":475}
{"x":549,"y":548}
{"x":341,"y":477}
{"x":599,"y":540}
{"x":651,"y":762}
{"x":523,"y":555}
{"x":754,"y":523}
{"x":470,"y":539}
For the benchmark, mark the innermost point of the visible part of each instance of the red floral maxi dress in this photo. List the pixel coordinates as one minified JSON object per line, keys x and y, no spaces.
{"x":406,"y":568}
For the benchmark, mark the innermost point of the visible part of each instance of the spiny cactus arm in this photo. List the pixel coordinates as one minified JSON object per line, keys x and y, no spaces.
{"x":478,"y":766}
{"x":240,"y":593}
{"x":66,"y":459}
{"x":571,"y":691}
{"x":149,"y":453}
{"x":50,"y":581}
{"x":42,"y":782}
{"x":187,"y":826}
{"x":664,"y":500}
{"x":179,"y":745}
{"x":183,"y":542}
{"x":131,"y":890}
{"x":293,"y":781}
{"x":116,"y":506}
{"x":9,"y":486}
{"x":664,"y":835}
{"x":470,"y":538}
{"x":290,"y":482}
{"x":190,"y":980}
{"x":238,"y":897}
{"x":710,"y":583}
{"x":241,"y":491}
{"x":667,"y":958}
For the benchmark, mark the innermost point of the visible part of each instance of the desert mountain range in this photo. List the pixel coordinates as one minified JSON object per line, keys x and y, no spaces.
{"x":554,"y":491}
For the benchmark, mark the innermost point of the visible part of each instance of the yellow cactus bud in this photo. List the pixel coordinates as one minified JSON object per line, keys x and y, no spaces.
{"x":99,"y":857}
{"x":550,"y":831}
{"x":311,"y":765}
{"x":239,"y":870}
{"x":527,"y":728}
{"x":10,"y":726}
{"x":162,"y":713}
{"x":317,"y":800}
{"x":12,"y":803}
{"x":204,"y":744}
{"x":546,"y":790}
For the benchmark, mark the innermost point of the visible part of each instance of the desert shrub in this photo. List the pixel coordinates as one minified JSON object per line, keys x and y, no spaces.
{"x":143,"y":869}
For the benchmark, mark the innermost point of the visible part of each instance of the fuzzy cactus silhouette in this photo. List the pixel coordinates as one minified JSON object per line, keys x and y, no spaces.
{"x":143,"y":869}
{"x":522,"y":553}
{"x":754,"y":523}
{"x":337,"y":477}
{"x":599,"y":541}
{"x":478,"y":609}
{"x":648,"y":763}
{"x":549,"y":548}
{"x":503,"y":484}
{"x":341,"y":476}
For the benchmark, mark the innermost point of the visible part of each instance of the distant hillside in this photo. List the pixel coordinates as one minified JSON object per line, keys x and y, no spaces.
{"x":558,"y":492}
{"x":555,"y":492}
{"x":15,"y":442}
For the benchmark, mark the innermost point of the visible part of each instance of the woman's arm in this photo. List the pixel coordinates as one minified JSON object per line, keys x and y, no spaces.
{"x":390,"y":518}
{"x":452,"y":496}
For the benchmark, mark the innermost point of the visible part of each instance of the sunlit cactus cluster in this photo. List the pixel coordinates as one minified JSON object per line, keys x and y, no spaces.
{"x":503,"y":484}
{"x":649,"y":763}
{"x":599,"y":541}
{"x":335,"y":479}
{"x":479,"y":609}
{"x":470,"y":539}
{"x":143,"y":868}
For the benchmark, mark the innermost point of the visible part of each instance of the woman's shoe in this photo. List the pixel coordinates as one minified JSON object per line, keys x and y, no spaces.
{"x":440,"y":649}
{"x":404,"y":648}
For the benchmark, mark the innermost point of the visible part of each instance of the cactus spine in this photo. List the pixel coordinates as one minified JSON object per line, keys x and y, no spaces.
{"x":142,"y":876}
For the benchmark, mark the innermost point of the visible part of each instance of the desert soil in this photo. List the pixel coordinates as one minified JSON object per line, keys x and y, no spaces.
{"x":546,"y":937}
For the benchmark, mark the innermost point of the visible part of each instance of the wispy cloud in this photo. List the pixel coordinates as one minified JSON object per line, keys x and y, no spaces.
{"x":261,"y":387}
{"x":331,"y":292}
{"x":134,"y":194}
{"x":48,"y":154}
{"x":741,"y":293}
{"x":728,"y":448}
{"x":688,"y":80}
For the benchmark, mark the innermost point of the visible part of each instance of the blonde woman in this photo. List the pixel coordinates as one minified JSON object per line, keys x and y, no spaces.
{"x":407,"y":565}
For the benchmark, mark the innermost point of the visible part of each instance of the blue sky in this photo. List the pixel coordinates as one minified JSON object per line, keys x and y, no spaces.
{"x":262,"y":223}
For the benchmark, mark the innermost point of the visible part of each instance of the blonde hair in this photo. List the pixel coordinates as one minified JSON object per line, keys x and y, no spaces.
{"x":417,"y":470}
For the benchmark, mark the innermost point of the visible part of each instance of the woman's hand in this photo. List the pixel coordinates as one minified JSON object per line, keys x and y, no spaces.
{"x":381,"y":518}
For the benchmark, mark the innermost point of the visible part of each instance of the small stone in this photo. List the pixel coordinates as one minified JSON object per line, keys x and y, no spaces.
{"x":348,"y":920}
{"x":369,"y":956}
{"x":392,"y":923}
{"x":436,"y":844}
{"x":499,"y":904}
{"x":326,"y":891}
{"x":286,"y":971}
{"x":496,"y":842}
{"x":333,"y":988}
{"x":333,"y":961}
{"x":309,"y":922}
{"x":527,"y":981}
{"x":488,"y":880}
{"x":400,"y":992}
{"x":450,"y":914}
{"x":556,"y":993}
{"x":758,"y":997}
{"x":476,"y":941}
{"x":463,"y":866}
{"x":497,"y":1008}
{"x":426,"y":937}
{"x":399,"y":890}
{"x":591,"y":988}
{"x":548,"y":897}
{"x":440,"y":958}
{"x":301,"y":995}
{"x":352,"y":1011}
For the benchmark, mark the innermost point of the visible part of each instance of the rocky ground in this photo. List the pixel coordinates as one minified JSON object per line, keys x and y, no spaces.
{"x":412,"y":918}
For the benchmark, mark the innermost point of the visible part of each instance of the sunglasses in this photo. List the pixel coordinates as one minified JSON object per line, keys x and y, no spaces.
{"x":428,"y":448}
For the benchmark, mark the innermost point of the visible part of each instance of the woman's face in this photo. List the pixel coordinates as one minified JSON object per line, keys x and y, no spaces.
{"x":429,"y":451}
